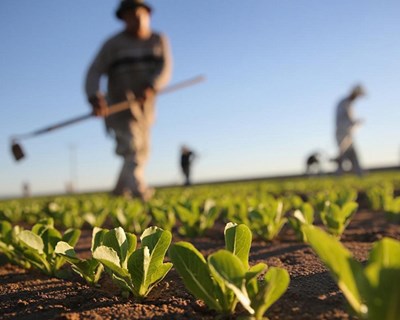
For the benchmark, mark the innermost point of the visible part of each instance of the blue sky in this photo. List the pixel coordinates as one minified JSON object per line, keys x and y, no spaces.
{"x":275,"y":71}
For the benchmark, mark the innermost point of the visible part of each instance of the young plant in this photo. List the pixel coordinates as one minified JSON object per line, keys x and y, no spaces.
{"x":392,"y":208}
{"x":336,"y":218}
{"x":132,"y":216}
{"x":163,"y":216}
{"x":9,"y":244}
{"x":37,"y":246}
{"x":267,"y":221}
{"x":237,"y":211}
{"x":377,"y":195}
{"x":135,"y":271}
{"x":196,"y":218}
{"x":226,"y":278}
{"x":372,"y":291}
{"x":304,"y":215}
{"x":89,"y":269}
{"x":96,"y":218}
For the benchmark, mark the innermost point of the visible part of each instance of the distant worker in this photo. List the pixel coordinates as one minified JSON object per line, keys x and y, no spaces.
{"x":137,"y":64}
{"x":26,"y":190}
{"x":187,"y":157}
{"x":345,"y":125}
{"x":313,"y":163}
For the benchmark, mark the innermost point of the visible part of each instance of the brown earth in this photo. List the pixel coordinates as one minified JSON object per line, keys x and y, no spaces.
{"x":312,"y":294}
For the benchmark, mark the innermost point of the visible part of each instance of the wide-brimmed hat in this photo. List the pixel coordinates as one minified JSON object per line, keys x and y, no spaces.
{"x":131,"y":4}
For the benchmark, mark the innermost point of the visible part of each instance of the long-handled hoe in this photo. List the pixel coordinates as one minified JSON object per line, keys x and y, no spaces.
{"x":18,"y":152}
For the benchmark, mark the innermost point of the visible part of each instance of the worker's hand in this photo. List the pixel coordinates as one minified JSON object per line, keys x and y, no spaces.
{"x":99,"y":105}
{"x":145,"y":94}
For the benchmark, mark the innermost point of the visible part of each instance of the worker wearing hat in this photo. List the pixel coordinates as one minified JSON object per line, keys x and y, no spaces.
{"x":137,"y":63}
{"x":345,"y":125}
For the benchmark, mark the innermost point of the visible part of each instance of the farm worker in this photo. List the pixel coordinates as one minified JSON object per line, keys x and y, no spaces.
{"x":345,"y":125}
{"x":137,"y":64}
{"x":187,"y":157}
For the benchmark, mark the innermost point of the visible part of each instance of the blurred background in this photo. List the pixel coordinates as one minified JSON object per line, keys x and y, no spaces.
{"x":275,"y":72}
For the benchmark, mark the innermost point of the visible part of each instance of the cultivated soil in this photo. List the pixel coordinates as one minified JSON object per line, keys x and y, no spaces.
{"x":312,"y":294}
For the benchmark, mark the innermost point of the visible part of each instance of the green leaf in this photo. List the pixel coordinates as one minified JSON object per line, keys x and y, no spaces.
{"x":238,"y":241}
{"x":5,"y":231}
{"x":50,"y":238}
{"x":158,"y":241}
{"x":255,"y":271}
{"x":32,"y":241}
{"x":386,"y":253}
{"x":42,"y":225}
{"x":192,"y":267}
{"x":347,"y":272}
{"x":38,"y":261}
{"x":229,"y":269}
{"x":138,"y":266}
{"x":276,"y":283}
{"x":160,"y":273}
{"x":251,"y":278}
{"x":90,"y":269}
{"x":132,"y":242}
{"x":67,"y":251}
{"x":71,"y":236}
{"x":116,"y":239}
{"x":97,"y":237}
{"x":383,"y":273}
{"x":110,"y":259}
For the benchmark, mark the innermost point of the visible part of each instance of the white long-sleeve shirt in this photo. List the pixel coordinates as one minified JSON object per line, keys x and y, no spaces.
{"x":344,"y":123}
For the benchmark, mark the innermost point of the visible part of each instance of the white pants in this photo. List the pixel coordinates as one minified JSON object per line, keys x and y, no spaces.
{"x":347,"y":152}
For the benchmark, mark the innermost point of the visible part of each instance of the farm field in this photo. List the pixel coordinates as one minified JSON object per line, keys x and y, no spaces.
{"x":311,"y":294}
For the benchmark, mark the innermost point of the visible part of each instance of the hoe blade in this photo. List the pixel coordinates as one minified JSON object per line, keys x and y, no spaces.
{"x":17,"y":151}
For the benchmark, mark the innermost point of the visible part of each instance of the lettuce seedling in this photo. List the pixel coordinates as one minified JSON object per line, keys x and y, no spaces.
{"x":373,"y":291}
{"x":197,"y":275}
{"x":336,"y":218}
{"x":9,"y":244}
{"x":392,"y":208}
{"x":226,"y":278}
{"x":304,"y":215}
{"x":377,"y":195}
{"x":136,"y":271}
{"x":96,"y":218}
{"x":237,"y":211}
{"x":163,"y":216}
{"x":196,"y":218}
{"x":131,"y":216}
{"x":89,"y":269}
{"x":37,"y":246}
{"x":256,"y":297}
{"x":267,"y":221}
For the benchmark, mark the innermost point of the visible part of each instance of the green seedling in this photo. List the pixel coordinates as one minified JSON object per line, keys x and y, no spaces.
{"x":373,"y":291}
{"x":37,"y":246}
{"x":196,"y":218}
{"x":267,"y":221}
{"x":377,"y":195}
{"x":392,"y":207}
{"x":132,"y":216}
{"x":336,"y":218}
{"x":135,"y":271}
{"x":89,"y":269}
{"x":163,"y":216}
{"x":237,"y":211}
{"x":9,"y":244}
{"x":96,"y":218}
{"x":225,"y":278}
{"x":304,"y":215}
